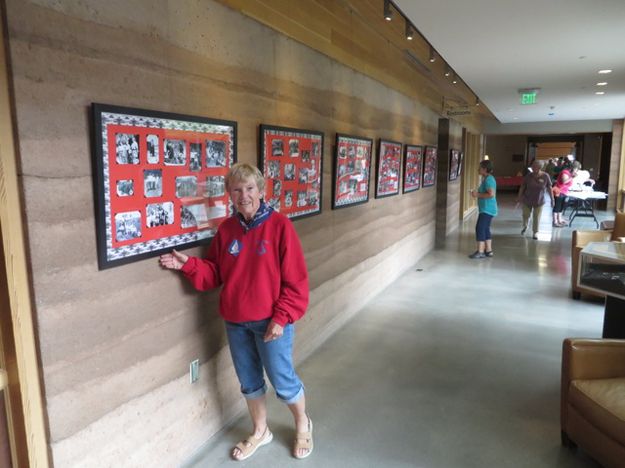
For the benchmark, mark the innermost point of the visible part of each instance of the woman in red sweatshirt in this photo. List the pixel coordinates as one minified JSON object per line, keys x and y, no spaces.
{"x":257,"y":257}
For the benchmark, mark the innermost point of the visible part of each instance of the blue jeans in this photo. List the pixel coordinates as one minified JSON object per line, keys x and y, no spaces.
{"x":482,"y":228}
{"x":250,"y":354}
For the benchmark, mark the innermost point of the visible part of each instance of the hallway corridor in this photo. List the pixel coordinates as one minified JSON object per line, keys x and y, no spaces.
{"x":455,"y":365}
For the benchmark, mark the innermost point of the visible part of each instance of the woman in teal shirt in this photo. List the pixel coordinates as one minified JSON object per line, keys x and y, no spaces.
{"x":487,"y":207}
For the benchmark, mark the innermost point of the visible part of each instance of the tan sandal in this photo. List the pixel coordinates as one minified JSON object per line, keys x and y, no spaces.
{"x":249,"y":446}
{"x":304,"y":440}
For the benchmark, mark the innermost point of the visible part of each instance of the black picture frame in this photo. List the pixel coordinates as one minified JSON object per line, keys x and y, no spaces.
{"x":388,"y":168}
{"x":430,"y":166}
{"x":351,"y":171}
{"x":291,"y":160}
{"x":149,"y":196}
{"x":413,"y":168}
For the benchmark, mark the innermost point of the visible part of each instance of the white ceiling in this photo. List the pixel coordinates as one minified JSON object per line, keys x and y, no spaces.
{"x":499,"y":46}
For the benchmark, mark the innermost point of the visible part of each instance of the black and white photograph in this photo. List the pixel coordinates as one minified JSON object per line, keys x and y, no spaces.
{"x":289,"y":172}
{"x":175,"y":153}
{"x":193,"y":215}
{"x":277,"y":188}
{"x":316,"y":149}
{"x":305,"y":155}
{"x":127,"y":226}
{"x":274,"y":203}
{"x":277,"y":148}
{"x":195,"y":157}
{"x":215,"y":153}
{"x":127,"y":148}
{"x":215,"y":186}
{"x":342,"y":152}
{"x":303,"y":175}
{"x":273,"y":169}
{"x":288,"y":198}
{"x":342,"y":190}
{"x":216,"y":212}
{"x":159,"y":214}
{"x":294,"y":148}
{"x":301,"y":198}
{"x":125,"y":188}
{"x":186,"y":186}
{"x":152,"y":143}
{"x":153,"y":183}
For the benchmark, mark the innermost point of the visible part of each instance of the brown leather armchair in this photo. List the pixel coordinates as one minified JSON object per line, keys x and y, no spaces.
{"x":592,"y":405}
{"x":583,"y":238}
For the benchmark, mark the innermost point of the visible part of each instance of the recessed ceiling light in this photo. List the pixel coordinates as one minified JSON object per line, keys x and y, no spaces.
{"x":603,"y":72}
{"x":602,"y":83}
{"x":515,"y":118}
{"x":600,"y":92}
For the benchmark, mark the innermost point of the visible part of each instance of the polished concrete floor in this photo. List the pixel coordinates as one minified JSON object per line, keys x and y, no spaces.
{"x":456,"y":364}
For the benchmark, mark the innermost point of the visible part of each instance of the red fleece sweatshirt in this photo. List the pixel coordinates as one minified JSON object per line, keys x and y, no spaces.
{"x":263,"y":271}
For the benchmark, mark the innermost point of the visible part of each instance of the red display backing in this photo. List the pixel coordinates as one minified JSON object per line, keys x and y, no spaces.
{"x":139,"y":173}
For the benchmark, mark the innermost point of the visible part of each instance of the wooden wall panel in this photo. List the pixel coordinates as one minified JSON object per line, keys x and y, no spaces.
{"x":355,"y":33}
{"x":615,"y":199}
{"x":18,"y":353}
{"x":115,"y":344}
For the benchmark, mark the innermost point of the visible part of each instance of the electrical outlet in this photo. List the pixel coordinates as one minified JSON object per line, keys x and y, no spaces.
{"x":194,"y":370}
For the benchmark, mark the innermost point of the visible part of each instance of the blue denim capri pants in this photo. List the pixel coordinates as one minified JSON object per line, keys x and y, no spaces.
{"x":482,"y":228}
{"x":250,"y":354}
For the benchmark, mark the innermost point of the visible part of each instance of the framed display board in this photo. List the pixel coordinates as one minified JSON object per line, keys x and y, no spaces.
{"x":413,"y":168}
{"x":454,"y":164}
{"x":388,"y":169}
{"x":159,"y":181}
{"x":352,"y":167}
{"x":429,"y":166}
{"x":291,"y":161}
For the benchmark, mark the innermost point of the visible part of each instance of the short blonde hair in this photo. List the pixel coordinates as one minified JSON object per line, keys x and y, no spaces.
{"x":244,"y":171}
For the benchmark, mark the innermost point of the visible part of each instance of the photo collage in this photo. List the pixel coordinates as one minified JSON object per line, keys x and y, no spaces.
{"x":165,"y":182}
{"x":351,"y":171}
{"x":161,"y":180}
{"x":429,"y":166}
{"x":388,"y":169}
{"x":413,"y":167}
{"x":291,"y":163}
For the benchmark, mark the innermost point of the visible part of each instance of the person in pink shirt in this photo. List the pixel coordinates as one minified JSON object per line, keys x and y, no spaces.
{"x":560,"y":190}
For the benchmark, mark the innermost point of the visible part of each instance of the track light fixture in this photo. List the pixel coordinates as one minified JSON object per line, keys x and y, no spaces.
{"x":388,"y":13}
{"x":454,"y":80}
{"x":432,"y":55}
{"x":447,"y":70}
{"x":477,"y":101}
{"x":409,"y":31}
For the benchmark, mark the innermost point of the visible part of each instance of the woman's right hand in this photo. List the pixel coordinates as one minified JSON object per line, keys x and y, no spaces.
{"x":174,"y":260}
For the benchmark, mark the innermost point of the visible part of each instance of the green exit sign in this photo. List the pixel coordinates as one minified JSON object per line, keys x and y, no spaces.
{"x":528,"y":98}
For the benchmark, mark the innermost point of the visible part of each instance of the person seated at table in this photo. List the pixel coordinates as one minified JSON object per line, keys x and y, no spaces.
{"x":581,"y":178}
{"x":560,"y":190}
